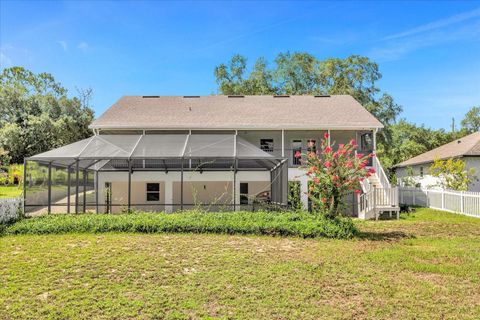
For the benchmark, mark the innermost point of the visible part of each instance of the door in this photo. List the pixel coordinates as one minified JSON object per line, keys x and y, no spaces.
{"x":108,"y":197}
{"x":296,"y":147}
{"x":243,"y":193}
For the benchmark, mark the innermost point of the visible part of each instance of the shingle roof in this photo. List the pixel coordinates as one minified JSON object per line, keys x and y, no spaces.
{"x":241,"y":112}
{"x":466,"y":146}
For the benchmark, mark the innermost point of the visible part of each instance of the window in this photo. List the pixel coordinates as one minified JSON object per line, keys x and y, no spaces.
{"x":153,"y":191}
{"x":243,"y":193}
{"x":266,"y":145}
{"x":311,"y":145}
{"x":421,"y":172}
{"x":366,"y":142}
{"x":296,"y":147}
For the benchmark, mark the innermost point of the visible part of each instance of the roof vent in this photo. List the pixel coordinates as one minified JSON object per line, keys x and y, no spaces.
{"x":236,"y":96}
{"x":281,"y":96}
{"x":459,"y":141}
{"x":191,"y":96}
{"x":147,"y":97}
{"x":322,"y":96}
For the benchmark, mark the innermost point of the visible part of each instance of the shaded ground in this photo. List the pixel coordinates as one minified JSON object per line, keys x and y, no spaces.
{"x":425,"y":266}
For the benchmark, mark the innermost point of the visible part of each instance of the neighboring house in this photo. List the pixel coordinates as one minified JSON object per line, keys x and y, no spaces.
{"x":417,"y":169}
{"x":173,"y":152}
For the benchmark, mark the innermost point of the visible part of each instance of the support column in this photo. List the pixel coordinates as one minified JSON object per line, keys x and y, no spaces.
{"x":69,"y":168}
{"x":181,"y":187}
{"x":76,"y":186}
{"x":129,"y":185}
{"x":304,"y":191}
{"x":85,"y":173}
{"x":283,"y":143}
{"x":49,"y":188}
{"x":96,"y":191}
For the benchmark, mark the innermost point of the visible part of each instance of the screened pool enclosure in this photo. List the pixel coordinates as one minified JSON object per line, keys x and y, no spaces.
{"x":154,"y":172}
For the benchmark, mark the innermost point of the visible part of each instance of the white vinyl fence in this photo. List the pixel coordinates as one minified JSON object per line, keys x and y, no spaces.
{"x":11,"y":209}
{"x":467,"y":203}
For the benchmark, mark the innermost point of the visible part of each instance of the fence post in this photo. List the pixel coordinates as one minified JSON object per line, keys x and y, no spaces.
{"x":443,"y":199}
{"x":414,"y":195}
{"x":428,"y":199}
{"x":462,"y":197}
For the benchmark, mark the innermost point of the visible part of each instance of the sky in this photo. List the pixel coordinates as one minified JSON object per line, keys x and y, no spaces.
{"x":428,"y":52}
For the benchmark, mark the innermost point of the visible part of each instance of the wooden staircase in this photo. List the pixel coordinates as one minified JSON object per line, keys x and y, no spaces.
{"x":378,"y":195}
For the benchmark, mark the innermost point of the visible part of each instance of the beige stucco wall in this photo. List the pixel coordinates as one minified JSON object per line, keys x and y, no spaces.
{"x":218,"y":187}
{"x":138,"y":196}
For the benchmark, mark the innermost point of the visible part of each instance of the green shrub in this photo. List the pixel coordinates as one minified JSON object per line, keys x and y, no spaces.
{"x":256,"y":223}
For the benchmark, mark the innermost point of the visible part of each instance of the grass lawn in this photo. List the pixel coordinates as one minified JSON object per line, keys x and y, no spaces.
{"x":10,"y":191}
{"x":425,"y":266}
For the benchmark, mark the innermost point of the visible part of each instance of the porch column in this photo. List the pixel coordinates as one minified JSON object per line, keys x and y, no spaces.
{"x":129,"y":184}
{"x":236,"y":190}
{"x":181,"y":187}
{"x":375,"y":139}
{"x":283,"y":143}
{"x":304,"y":191}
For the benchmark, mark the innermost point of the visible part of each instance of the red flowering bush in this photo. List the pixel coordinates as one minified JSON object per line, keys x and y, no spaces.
{"x":333,"y":174}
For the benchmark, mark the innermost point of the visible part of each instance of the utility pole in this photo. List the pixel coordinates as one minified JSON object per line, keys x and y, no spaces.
{"x":453,"y":125}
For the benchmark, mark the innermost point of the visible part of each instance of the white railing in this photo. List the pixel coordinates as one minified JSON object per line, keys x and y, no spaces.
{"x":382,"y":177}
{"x":463,"y":202}
{"x":371,"y":203}
{"x":366,"y":185}
{"x":10,"y":209}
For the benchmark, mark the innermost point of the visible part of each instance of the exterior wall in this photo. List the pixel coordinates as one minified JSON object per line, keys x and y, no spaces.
{"x":296,"y":174}
{"x":254,"y":137}
{"x":217,"y":186}
{"x":428,"y":181}
{"x":474,"y":162}
{"x":210,"y":187}
{"x":212,"y":194}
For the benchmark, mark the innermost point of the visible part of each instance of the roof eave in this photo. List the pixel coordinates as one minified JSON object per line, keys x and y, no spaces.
{"x":323,"y":127}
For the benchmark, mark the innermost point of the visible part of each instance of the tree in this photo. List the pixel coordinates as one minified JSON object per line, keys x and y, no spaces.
{"x":37,"y":115}
{"x":334,"y":174}
{"x":453,"y":174}
{"x":405,"y":140}
{"x":302,"y":73}
{"x":471,"y":122}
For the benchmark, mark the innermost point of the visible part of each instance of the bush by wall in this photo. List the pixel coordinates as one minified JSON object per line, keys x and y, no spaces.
{"x":256,"y":223}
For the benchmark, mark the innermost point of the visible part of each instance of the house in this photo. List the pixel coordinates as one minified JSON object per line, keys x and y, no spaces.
{"x":167,"y":153}
{"x":417,"y":169}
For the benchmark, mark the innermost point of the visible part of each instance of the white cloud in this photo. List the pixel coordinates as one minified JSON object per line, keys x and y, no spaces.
{"x":441,"y":32}
{"x":63,"y":44}
{"x":5,"y":61}
{"x":83,"y":46}
{"x":436,"y":24}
